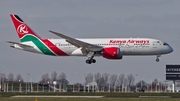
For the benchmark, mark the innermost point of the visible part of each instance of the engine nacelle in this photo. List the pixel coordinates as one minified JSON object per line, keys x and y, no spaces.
{"x":111,"y":53}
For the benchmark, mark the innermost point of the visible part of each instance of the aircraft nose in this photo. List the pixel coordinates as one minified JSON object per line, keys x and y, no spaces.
{"x":170,"y":49}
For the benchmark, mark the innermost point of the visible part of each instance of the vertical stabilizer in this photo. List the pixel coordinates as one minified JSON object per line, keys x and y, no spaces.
{"x":24,"y":32}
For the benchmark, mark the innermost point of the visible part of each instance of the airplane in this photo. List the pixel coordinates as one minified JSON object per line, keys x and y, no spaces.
{"x":109,"y":48}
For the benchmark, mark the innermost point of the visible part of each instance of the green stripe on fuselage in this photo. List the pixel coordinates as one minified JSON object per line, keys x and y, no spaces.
{"x":38,"y":43}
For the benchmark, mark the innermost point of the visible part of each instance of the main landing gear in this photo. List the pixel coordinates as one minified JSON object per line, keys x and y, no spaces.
{"x":157,"y":59}
{"x":90,"y":58}
{"x":89,"y":61}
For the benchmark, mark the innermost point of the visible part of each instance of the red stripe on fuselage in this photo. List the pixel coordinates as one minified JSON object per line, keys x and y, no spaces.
{"x":55,"y":49}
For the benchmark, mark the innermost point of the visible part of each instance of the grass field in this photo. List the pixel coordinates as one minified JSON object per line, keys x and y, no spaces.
{"x":116,"y":95}
{"x":7,"y":96}
{"x":90,"y":99}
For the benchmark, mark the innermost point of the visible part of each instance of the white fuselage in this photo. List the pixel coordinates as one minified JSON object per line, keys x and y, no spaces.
{"x":128,"y":46}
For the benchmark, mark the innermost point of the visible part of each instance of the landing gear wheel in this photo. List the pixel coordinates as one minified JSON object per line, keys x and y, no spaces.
{"x":157,"y":60}
{"x":88,"y":61}
{"x":93,"y":60}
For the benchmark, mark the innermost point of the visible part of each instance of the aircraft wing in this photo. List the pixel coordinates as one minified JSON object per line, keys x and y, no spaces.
{"x":85,"y":46}
{"x":21,"y":45}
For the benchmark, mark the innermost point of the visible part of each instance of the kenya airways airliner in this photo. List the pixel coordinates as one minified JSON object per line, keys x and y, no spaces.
{"x":109,"y":48}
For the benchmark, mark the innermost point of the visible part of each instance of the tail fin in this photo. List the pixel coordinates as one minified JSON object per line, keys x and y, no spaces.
{"x":24,"y":32}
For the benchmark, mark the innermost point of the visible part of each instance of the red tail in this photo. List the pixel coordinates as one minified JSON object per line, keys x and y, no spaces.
{"x":21,"y":28}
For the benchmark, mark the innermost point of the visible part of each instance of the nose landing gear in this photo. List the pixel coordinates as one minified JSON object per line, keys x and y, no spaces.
{"x":157,"y":59}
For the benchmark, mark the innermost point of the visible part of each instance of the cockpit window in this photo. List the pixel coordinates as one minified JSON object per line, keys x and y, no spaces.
{"x":165,"y":44}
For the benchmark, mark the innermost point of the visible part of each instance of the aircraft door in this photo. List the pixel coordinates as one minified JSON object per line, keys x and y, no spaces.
{"x":155,"y":44}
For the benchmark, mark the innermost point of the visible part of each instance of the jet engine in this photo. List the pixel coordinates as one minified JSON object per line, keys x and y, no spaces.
{"x":112,"y":53}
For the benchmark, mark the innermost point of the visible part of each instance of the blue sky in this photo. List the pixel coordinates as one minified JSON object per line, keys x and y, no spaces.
{"x":159,"y":19}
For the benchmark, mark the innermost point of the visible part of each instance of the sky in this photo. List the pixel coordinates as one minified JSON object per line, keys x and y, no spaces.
{"x":159,"y":19}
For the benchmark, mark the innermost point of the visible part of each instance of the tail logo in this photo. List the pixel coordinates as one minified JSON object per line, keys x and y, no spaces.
{"x":22,"y":29}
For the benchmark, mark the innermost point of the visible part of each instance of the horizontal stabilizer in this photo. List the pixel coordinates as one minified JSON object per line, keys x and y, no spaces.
{"x":20,"y":44}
